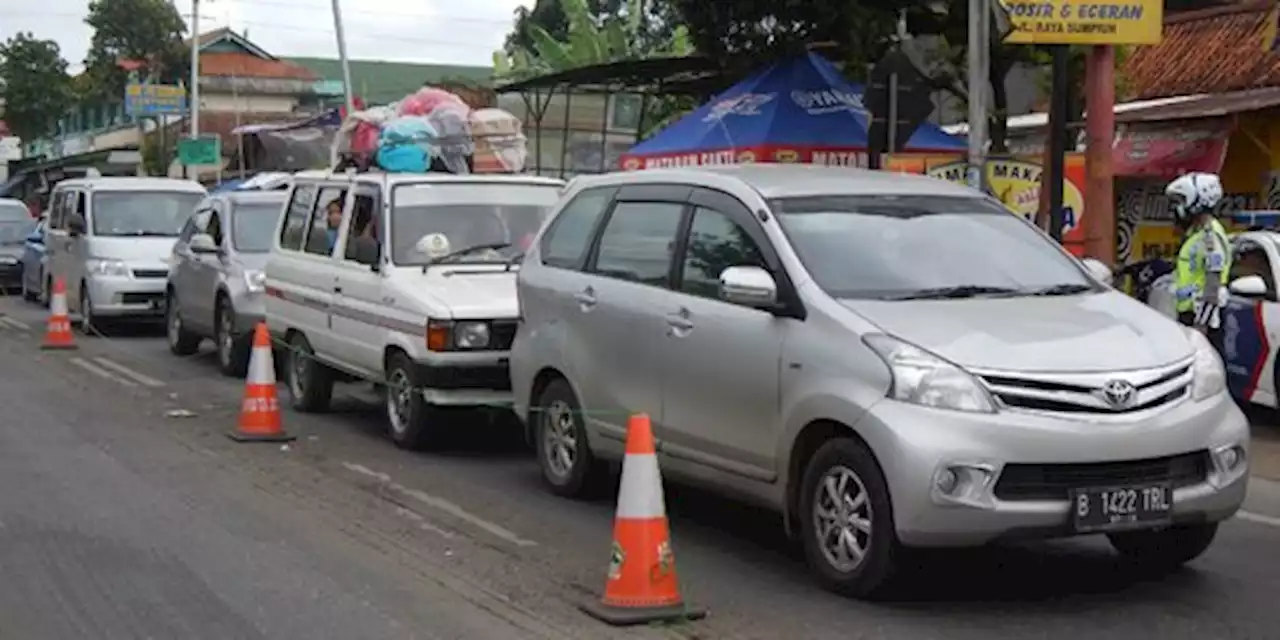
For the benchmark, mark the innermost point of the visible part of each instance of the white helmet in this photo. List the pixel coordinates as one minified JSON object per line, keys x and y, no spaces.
{"x":1193,"y":194}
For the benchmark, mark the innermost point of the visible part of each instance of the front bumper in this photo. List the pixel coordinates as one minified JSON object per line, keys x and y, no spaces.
{"x":1015,"y":470}
{"x":467,"y":380}
{"x":10,"y":274}
{"x":125,"y":296}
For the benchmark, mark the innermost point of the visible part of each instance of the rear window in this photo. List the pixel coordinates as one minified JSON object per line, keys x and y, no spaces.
{"x":430,"y":220}
{"x":254,"y":225}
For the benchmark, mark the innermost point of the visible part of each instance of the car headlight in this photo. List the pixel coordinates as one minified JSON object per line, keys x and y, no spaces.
{"x":922,"y":378}
{"x":104,"y":267}
{"x":255,"y":281}
{"x":471,"y":335}
{"x":1210,"y":377}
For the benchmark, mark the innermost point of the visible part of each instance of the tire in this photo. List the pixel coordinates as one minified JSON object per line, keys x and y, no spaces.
{"x":89,"y":325}
{"x":865,"y":578}
{"x":181,"y":341}
{"x":560,"y":431}
{"x":233,"y":350}
{"x":310,"y":381}
{"x":412,"y":423}
{"x":1164,"y":550}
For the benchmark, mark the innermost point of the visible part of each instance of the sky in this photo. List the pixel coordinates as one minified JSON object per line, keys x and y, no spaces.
{"x":437,"y":31}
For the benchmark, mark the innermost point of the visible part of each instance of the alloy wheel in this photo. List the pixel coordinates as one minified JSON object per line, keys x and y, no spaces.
{"x":560,"y":438}
{"x":842,"y":517}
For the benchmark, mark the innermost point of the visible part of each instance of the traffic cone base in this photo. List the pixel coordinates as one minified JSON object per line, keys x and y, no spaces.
{"x":642,"y":585}
{"x":57,"y":335}
{"x":260,"y":409}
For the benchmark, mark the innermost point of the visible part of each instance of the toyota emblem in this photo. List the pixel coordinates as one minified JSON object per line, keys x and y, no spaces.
{"x":1120,"y":394}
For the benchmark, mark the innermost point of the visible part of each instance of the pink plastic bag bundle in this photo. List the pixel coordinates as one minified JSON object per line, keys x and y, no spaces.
{"x":428,"y":99}
{"x":365,"y":138}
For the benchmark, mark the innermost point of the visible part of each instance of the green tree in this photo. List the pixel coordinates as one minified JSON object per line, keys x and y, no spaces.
{"x":34,"y":84}
{"x":146,"y":31}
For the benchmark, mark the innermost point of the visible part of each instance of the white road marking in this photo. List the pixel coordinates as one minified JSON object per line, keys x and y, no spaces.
{"x":409,"y":514}
{"x":441,"y":504}
{"x":100,"y":372}
{"x":1249,"y":516}
{"x":130,"y":373}
{"x":15,"y":323}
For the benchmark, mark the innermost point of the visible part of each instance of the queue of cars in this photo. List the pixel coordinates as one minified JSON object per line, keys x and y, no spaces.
{"x":808,"y":339}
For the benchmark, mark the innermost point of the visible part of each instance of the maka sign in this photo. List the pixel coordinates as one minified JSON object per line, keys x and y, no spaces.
{"x":1084,"y":21}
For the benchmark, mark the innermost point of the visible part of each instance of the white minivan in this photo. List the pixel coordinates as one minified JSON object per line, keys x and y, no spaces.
{"x":110,"y":240}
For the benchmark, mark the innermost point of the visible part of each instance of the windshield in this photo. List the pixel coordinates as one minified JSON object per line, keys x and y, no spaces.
{"x":142,"y":213}
{"x":909,"y":246}
{"x":13,"y":211}
{"x":254,"y":226}
{"x":13,"y":232}
{"x":429,"y":221}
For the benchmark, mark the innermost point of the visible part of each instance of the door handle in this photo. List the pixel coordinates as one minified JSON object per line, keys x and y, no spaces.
{"x":337,"y":289}
{"x":586,"y":299}
{"x":679,"y":324}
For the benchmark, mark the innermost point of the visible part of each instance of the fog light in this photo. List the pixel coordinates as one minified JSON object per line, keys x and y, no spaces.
{"x":1229,"y":458}
{"x":946,"y":480}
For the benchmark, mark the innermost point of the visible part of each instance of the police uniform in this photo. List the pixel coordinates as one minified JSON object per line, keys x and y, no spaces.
{"x":1200,"y":280}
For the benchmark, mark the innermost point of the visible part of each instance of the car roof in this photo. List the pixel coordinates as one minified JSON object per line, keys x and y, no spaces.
{"x":794,"y":180}
{"x":133,"y":184}
{"x":393,"y":179}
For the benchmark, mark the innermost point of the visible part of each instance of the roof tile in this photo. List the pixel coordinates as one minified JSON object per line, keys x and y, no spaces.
{"x":1209,"y":51}
{"x":244,"y":65}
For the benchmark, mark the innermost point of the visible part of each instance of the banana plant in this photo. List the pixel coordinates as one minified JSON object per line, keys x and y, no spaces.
{"x":590,"y":41}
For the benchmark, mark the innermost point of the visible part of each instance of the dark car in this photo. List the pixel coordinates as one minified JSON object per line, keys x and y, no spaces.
{"x":16,"y":224}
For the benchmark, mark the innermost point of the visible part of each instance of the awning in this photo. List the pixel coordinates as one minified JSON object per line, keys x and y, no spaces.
{"x":1169,"y":149}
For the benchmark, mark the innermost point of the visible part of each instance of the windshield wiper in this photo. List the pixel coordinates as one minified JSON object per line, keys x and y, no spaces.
{"x":453,"y":255}
{"x":962,"y":291}
{"x":1060,"y":290}
{"x":150,"y":234}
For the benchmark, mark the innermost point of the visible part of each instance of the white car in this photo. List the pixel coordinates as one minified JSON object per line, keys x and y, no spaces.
{"x":406,"y":280}
{"x":1251,"y":321}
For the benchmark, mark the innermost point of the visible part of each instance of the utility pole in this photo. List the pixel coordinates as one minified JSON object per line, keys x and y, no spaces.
{"x":195,"y":70}
{"x":342,"y":56}
{"x":979,"y":80}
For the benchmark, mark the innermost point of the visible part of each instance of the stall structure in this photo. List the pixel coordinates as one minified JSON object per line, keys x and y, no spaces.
{"x":801,"y":110}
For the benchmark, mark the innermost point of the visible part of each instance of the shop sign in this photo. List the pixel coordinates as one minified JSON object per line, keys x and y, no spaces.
{"x":1084,"y":22}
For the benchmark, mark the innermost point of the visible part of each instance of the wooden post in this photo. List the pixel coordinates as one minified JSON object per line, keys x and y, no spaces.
{"x":1100,"y":126}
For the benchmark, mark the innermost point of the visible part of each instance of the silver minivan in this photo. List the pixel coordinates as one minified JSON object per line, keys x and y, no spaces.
{"x":892,"y":362}
{"x":110,"y":240}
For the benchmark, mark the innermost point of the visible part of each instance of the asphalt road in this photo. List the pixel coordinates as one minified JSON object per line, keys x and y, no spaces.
{"x":125,"y":513}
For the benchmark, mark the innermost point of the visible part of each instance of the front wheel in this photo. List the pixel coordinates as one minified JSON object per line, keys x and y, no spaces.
{"x":412,"y":422}
{"x":1164,"y":549}
{"x":181,"y":342}
{"x":89,"y":325}
{"x":846,"y":520}
{"x":233,"y":350}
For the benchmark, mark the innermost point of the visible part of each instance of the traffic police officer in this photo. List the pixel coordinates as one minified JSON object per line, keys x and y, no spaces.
{"x":1204,"y":261}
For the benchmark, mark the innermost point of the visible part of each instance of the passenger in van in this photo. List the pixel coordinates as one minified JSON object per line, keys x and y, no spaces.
{"x":333,"y":212}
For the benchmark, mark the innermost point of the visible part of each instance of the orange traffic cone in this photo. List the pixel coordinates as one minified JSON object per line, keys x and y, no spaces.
{"x":58,"y":333}
{"x":642,"y":586}
{"x":260,"y":409}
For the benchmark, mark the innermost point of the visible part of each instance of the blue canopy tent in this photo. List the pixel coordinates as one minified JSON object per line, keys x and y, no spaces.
{"x":799,"y":110}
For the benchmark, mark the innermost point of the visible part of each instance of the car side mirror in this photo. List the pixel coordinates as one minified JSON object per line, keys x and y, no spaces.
{"x":76,"y":225}
{"x":1099,"y":271}
{"x":748,"y":286}
{"x":367,"y":252}
{"x":1248,"y":287}
{"x":202,"y":243}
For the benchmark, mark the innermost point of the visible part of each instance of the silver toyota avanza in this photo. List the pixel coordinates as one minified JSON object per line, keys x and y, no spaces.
{"x":889,"y":361}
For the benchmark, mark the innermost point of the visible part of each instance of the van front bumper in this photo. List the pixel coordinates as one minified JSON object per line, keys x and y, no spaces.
{"x":123,"y":296}
{"x":466,"y":379}
{"x":1010,"y":475}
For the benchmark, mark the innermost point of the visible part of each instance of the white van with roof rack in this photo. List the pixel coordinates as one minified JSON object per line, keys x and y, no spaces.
{"x":405,"y":280}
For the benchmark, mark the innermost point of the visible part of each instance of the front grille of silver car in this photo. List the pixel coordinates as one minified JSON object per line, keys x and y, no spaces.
{"x":151,"y":273}
{"x":1083,"y":393}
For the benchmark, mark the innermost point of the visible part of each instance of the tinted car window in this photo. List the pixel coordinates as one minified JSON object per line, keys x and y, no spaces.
{"x":252,"y":225}
{"x":142,"y":213}
{"x":897,"y":246}
{"x":296,"y":217}
{"x":566,"y":242}
{"x":715,"y":244}
{"x":638,"y":241}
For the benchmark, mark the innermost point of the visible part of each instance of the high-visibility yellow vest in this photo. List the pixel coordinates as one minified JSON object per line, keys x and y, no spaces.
{"x":1192,"y":267}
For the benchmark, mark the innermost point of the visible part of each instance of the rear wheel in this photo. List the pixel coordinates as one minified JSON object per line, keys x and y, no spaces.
{"x":412,"y":422}
{"x":310,"y":381}
{"x":560,"y":437}
{"x":181,"y":342}
{"x":1164,"y":550}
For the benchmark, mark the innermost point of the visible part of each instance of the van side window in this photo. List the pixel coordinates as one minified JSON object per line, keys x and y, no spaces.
{"x":322,"y":233}
{"x":57,"y":210}
{"x":565,"y":244}
{"x":296,"y":217}
{"x":363,"y":223}
{"x":716,"y":243}
{"x":638,"y":242}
